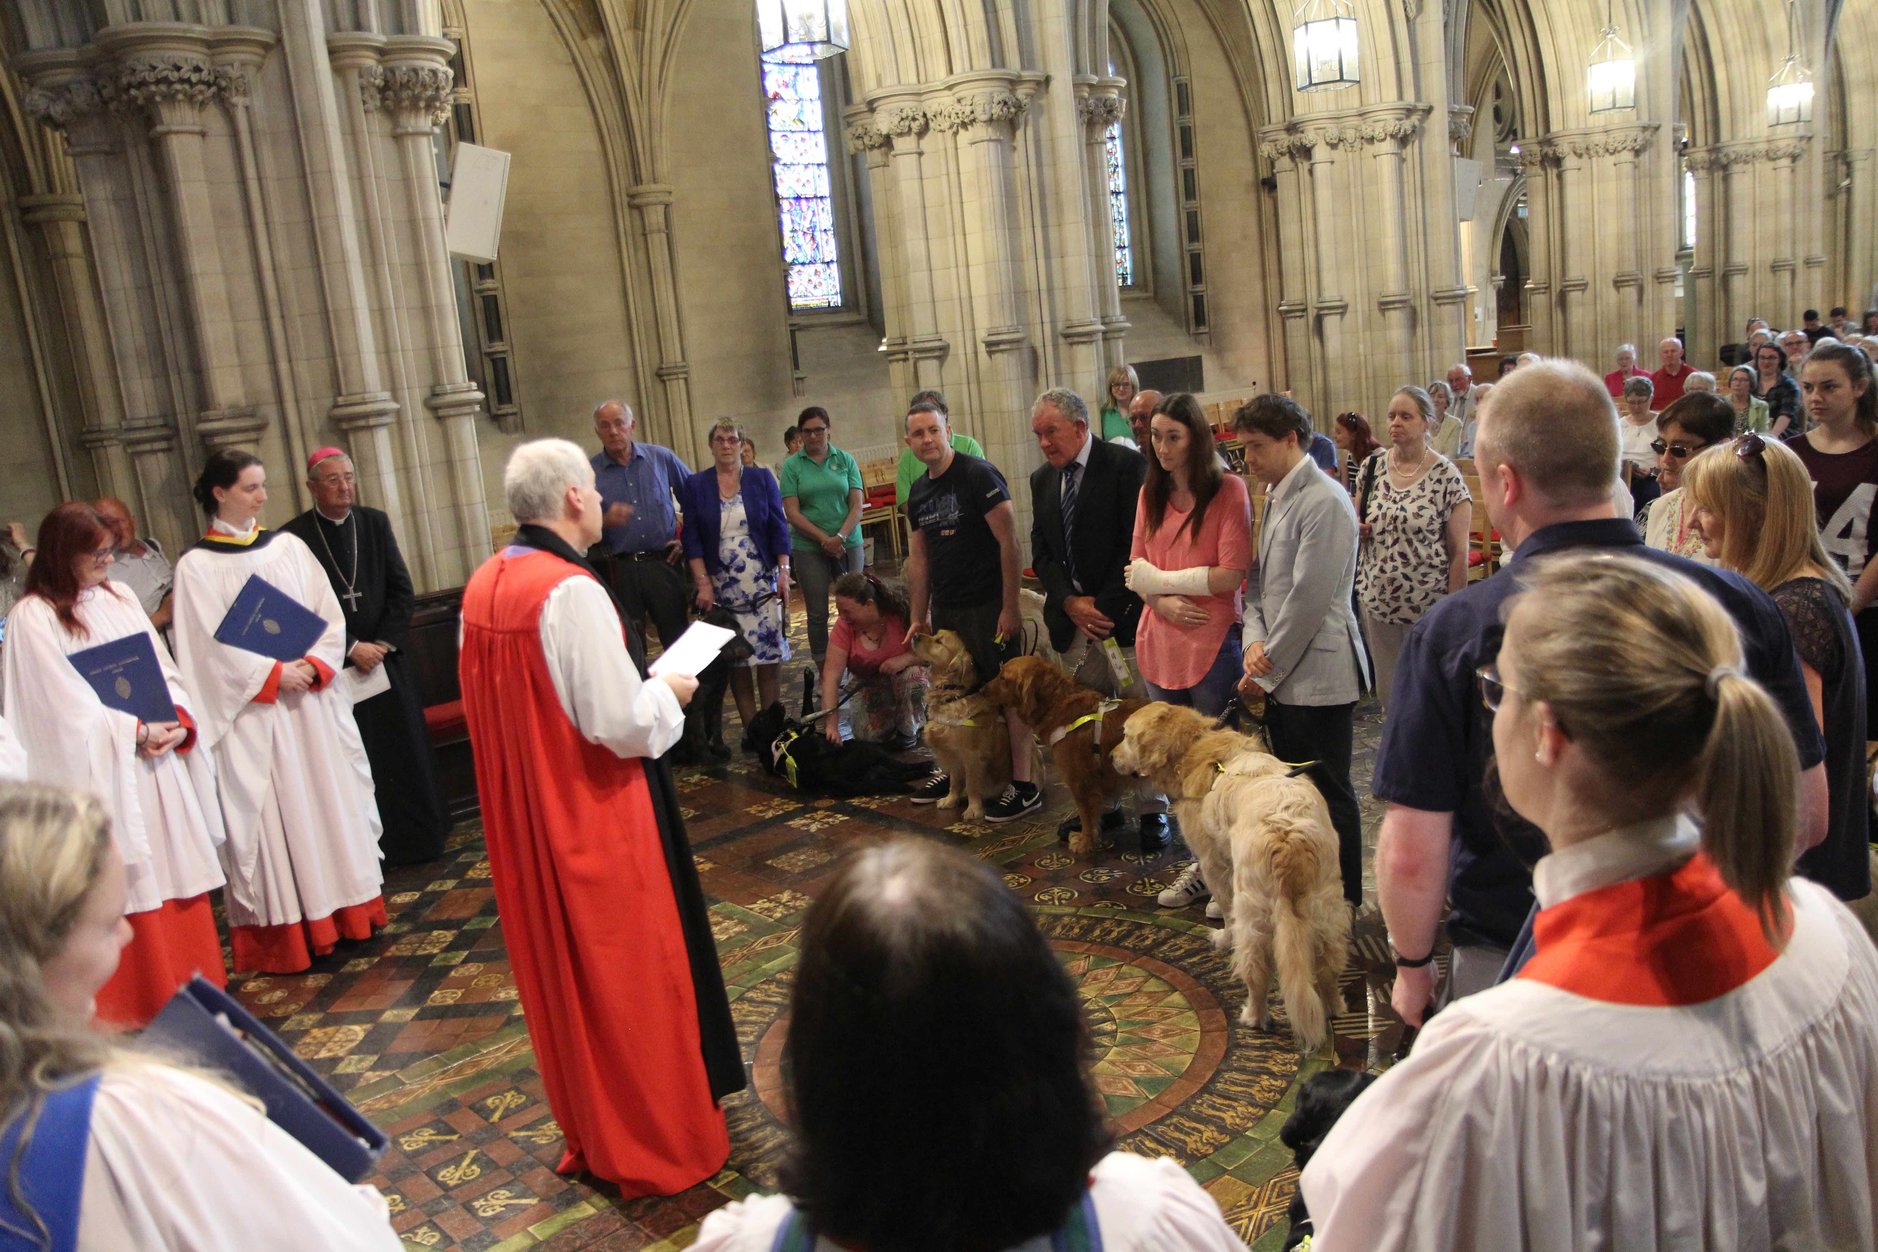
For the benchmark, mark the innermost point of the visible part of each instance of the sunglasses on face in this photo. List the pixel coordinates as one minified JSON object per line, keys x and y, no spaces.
{"x":1677,"y":451}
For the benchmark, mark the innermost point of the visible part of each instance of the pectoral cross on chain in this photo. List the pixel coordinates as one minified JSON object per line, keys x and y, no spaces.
{"x":352,"y":599}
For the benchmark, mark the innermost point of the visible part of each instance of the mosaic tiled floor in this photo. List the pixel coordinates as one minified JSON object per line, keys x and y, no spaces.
{"x":421,"y":1027}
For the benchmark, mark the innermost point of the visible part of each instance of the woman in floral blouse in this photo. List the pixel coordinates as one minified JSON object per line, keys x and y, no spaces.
{"x":1414,"y":509}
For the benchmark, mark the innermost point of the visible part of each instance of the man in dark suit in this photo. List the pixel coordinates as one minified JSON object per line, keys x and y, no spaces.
{"x":1083,"y":499}
{"x":360,"y":555}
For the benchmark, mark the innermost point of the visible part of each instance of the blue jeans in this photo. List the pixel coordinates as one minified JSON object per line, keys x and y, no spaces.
{"x":1214,"y":693}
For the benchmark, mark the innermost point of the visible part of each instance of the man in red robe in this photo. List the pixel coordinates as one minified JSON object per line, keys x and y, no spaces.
{"x":605,"y":923}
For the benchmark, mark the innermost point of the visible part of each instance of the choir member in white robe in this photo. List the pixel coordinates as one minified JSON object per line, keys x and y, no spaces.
{"x":126,"y":1151}
{"x":157,"y":786}
{"x":297,"y":796}
{"x":1690,"y":1059}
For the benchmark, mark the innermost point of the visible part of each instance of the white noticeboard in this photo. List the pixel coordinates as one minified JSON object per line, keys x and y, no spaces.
{"x":479,"y":179}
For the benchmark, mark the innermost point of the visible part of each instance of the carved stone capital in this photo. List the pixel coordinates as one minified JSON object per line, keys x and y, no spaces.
{"x":1099,"y":110}
{"x":372,"y":87}
{"x":1360,"y":131}
{"x":1614,"y":141}
{"x":420,"y":92}
{"x":68,"y":102}
{"x":231,"y":83}
{"x":900,"y":121}
{"x":1726,"y":156}
{"x":1460,"y":123}
{"x":988,"y":108}
{"x":152,"y":81}
{"x":863,"y":136}
{"x":1281,"y":144}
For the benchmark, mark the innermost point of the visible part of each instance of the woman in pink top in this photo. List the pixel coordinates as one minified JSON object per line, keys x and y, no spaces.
{"x":1193,"y":545}
{"x":869,"y":642}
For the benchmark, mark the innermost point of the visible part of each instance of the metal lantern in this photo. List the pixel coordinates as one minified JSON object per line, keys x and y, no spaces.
{"x":1323,"y":45}
{"x":802,"y":30}
{"x":1790,"y":91}
{"x":1611,"y":77}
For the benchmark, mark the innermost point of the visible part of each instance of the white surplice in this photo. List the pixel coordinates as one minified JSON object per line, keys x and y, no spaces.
{"x":594,"y":676}
{"x":1532,"y":1118}
{"x":175,"y":1161}
{"x":164,"y":811}
{"x":296,"y":789}
{"x":12,"y":754}
{"x":1142,"y":1204}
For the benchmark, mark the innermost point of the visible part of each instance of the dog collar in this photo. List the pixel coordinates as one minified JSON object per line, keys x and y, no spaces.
{"x":1292,"y":772}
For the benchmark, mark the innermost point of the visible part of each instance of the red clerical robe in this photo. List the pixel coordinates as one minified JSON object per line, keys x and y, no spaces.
{"x":588,"y":907}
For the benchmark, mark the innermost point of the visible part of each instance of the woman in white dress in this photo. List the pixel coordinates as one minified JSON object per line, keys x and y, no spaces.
{"x":156,"y":783}
{"x":297,"y":798}
{"x":907,"y":1141}
{"x":1690,"y":1060}
{"x":106,"y":1149}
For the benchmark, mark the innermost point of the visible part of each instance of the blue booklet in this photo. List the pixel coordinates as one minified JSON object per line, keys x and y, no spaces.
{"x":126,"y":676}
{"x":205,"y":1024}
{"x":267,"y":621}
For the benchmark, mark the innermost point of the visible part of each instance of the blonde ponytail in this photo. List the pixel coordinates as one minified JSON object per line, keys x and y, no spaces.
{"x":1747,"y":790}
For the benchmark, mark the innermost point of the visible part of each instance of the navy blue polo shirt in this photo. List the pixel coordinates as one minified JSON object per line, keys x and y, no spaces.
{"x":1437,"y":743}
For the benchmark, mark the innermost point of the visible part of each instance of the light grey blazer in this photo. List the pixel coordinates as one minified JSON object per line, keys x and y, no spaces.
{"x":1298,"y":602}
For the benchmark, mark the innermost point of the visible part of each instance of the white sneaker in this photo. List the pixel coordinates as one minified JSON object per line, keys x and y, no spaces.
{"x":1214,"y":911}
{"x":1189,"y":888}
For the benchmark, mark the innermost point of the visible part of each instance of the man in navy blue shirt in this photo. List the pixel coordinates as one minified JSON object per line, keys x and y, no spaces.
{"x":1547,"y":450}
{"x":638,"y":552}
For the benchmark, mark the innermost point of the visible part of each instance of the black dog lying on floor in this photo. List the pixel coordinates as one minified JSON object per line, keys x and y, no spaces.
{"x":1321,"y":1101}
{"x":801,"y":755}
{"x":704,"y":717}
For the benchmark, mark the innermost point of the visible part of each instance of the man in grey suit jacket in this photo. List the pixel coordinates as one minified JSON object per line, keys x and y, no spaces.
{"x":1301,"y":640}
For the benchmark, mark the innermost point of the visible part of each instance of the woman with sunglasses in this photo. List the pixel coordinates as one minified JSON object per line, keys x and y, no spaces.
{"x":1752,"y":504}
{"x":1776,"y":389}
{"x":1689,"y":1058}
{"x":1682,"y":430}
{"x":156,"y":782}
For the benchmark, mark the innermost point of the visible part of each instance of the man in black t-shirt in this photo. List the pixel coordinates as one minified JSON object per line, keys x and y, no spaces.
{"x":962,"y":574}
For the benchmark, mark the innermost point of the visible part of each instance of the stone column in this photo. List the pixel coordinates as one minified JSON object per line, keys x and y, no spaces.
{"x":904,"y":121}
{"x":1100,"y":105}
{"x":1286,"y":152}
{"x":984,"y":114}
{"x":1705,"y":330}
{"x":651,"y":204}
{"x":1538,"y":162}
{"x":415,"y":91}
{"x":867,"y":139}
{"x":1861,"y":227}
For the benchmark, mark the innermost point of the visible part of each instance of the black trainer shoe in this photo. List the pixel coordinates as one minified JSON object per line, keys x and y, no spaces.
{"x":1017,"y":800}
{"x":933,"y":789}
{"x":1154,"y":832}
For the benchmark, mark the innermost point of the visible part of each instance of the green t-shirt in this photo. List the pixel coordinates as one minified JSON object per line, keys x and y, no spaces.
{"x":821,"y":492}
{"x":910,"y":467}
{"x":1115,"y":424}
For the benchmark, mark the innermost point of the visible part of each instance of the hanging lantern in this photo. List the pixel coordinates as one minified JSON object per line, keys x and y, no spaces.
{"x":1790,"y":91}
{"x":802,"y":30}
{"x":1611,"y":78}
{"x":1323,"y":45}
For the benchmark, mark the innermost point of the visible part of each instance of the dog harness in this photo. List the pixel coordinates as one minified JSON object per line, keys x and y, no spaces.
{"x":1102,"y":710}
{"x":1292,"y":772}
{"x":779,"y":750}
{"x":1079,"y":1234}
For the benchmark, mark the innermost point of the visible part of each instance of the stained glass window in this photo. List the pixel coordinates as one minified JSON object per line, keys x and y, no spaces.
{"x":1118,"y":204}
{"x":1688,"y":209}
{"x":799,"y":158}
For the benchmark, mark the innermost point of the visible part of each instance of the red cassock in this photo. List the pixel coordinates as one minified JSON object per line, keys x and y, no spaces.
{"x":587,"y":905}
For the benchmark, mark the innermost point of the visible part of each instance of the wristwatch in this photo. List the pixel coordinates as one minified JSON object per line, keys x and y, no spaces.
{"x":1403,"y":962}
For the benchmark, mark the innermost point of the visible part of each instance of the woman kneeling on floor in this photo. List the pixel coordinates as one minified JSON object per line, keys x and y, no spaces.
{"x":869,"y":642}
{"x":937,"y":1069}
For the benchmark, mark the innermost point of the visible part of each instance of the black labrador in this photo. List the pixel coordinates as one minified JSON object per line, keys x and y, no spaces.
{"x":800,"y":754}
{"x":1321,"y":1101}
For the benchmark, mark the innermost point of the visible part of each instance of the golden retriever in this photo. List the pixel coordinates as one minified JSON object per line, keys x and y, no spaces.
{"x":1051,"y":703}
{"x":1263,"y":837}
{"x":966,"y":731}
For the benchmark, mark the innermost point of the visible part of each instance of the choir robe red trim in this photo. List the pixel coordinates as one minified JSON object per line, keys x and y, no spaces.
{"x":1636,"y":942}
{"x":291,"y":946}
{"x":169,"y":945}
{"x":589,"y":910}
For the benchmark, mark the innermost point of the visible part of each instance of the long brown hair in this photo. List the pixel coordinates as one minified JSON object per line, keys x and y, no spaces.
{"x":70,"y":533}
{"x":1717,"y":740}
{"x":1203,"y":474}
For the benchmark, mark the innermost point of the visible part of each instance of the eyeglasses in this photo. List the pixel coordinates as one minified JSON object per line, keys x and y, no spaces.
{"x":812,"y":430}
{"x":1751,"y":447}
{"x":1679,"y":451}
{"x":1492,"y":689}
{"x":101,"y":555}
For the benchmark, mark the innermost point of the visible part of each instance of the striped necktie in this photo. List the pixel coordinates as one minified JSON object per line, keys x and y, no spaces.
{"x":1069,"y":503}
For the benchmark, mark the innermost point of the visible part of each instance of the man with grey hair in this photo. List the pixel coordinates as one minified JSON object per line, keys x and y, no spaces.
{"x":1083,"y":522}
{"x":1547,"y":451}
{"x":638,"y":552}
{"x":606,"y":927}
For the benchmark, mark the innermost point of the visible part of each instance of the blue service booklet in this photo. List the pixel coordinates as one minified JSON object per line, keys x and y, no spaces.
{"x":206,"y":1025}
{"x":126,"y":676}
{"x":267,"y":621}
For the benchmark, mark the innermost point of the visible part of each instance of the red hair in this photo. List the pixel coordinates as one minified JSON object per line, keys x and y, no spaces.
{"x":70,"y":533}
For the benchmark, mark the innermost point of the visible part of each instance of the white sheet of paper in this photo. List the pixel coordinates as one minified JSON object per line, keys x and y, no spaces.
{"x":692,"y":651}
{"x":363,"y":686}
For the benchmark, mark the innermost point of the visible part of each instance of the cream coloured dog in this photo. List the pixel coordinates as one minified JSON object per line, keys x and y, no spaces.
{"x":1264,"y":841}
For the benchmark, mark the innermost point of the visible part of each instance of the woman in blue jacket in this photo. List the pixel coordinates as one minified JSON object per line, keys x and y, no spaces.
{"x":737,"y":540}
